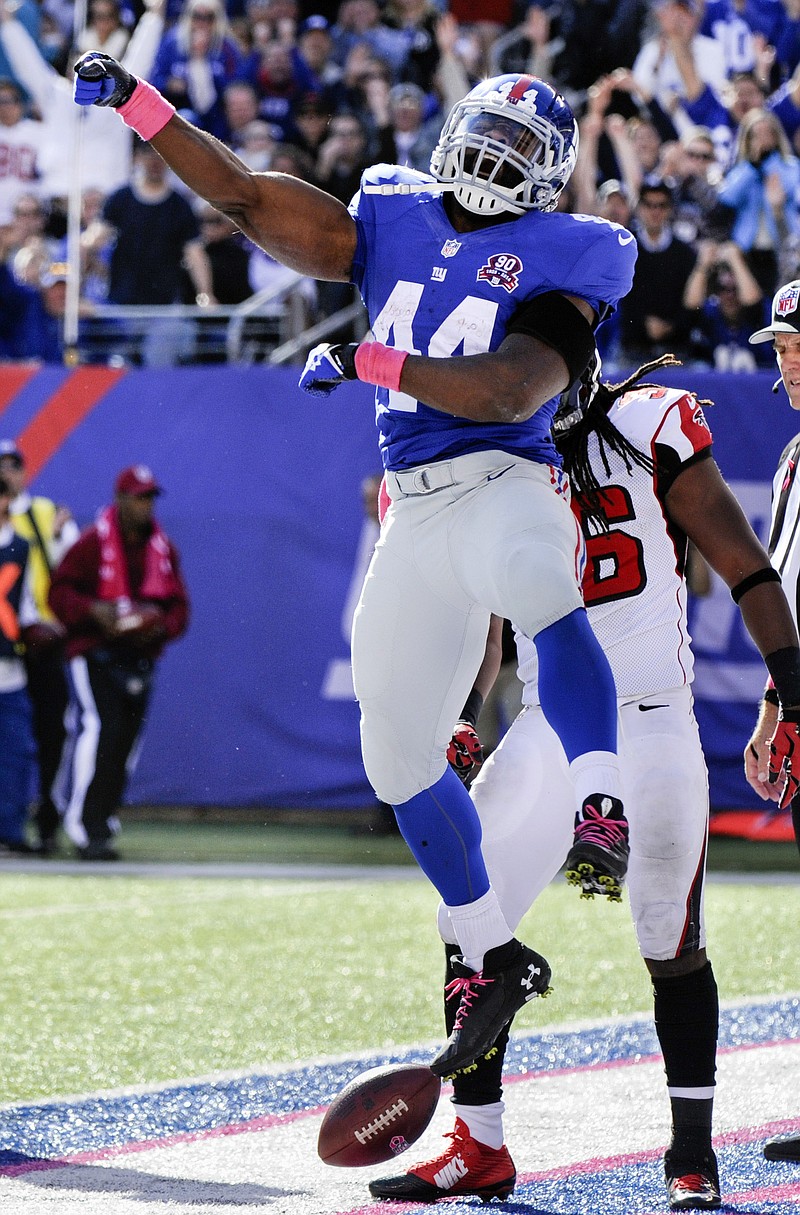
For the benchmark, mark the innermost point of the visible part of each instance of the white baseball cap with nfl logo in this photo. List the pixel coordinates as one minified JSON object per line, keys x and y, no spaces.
{"x":785,"y":314}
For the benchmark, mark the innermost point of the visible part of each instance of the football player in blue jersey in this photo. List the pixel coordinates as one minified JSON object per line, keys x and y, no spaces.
{"x":483,"y":302}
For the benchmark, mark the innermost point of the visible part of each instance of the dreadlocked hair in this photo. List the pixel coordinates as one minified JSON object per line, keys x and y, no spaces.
{"x":574,"y":446}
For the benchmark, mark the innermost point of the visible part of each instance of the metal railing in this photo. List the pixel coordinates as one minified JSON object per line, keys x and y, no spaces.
{"x":271,"y":326}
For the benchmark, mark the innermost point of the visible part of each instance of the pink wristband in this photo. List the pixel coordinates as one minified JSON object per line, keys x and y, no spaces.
{"x":146,"y":112}
{"x":379,"y":364}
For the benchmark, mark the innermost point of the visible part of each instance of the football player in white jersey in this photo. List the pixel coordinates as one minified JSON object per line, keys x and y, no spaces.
{"x":482,"y":300}
{"x":639,"y":457}
{"x":784,"y":547}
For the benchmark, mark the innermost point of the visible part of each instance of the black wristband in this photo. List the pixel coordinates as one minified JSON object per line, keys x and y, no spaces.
{"x":771,"y":697}
{"x":784,"y":668}
{"x":472,"y":709}
{"x":767,"y":574}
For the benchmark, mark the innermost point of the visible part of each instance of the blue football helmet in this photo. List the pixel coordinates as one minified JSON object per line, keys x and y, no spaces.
{"x":509,"y":146}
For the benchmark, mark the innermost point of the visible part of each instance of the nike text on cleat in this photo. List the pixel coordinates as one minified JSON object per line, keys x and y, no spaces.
{"x":465,"y":1168}
{"x":598,"y":859}
{"x":512,"y":975}
{"x":692,"y":1186}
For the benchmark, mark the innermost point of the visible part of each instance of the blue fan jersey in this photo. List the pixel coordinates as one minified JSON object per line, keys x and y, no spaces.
{"x":433,"y":291}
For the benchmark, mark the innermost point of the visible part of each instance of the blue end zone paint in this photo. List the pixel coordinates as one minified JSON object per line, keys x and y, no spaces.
{"x":51,"y":1131}
{"x":637,"y":1188}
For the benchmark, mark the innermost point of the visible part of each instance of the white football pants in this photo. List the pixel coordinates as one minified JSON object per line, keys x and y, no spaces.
{"x":525,"y":800}
{"x":501,"y":538}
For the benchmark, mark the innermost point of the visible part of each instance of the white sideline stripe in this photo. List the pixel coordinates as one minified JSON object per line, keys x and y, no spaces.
{"x":316,"y":873}
{"x":220,"y":869}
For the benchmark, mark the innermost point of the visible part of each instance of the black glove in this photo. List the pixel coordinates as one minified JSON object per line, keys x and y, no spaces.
{"x":101,"y":80}
{"x":328,"y":366}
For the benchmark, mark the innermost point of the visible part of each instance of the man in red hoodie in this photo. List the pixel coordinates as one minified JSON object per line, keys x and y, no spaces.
{"x":120,"y":596}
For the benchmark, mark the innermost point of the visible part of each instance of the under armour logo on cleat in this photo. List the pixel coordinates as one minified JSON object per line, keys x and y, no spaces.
{"x":527,"y":981}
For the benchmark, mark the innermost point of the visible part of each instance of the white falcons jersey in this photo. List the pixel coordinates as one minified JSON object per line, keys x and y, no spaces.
{"x":784,"y":541}
{"x":633,"y":584}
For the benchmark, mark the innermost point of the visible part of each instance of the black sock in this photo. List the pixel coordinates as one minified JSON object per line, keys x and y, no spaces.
{"x":482,"y":1083}
{"x":686,"y":1011}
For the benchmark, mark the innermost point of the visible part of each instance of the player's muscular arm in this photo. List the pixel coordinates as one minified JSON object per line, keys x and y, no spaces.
{"x":297,"y":224}
{"x":704,"y":507}
{"x":508,"y":385}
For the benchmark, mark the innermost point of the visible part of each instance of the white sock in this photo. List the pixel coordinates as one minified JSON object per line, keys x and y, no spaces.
{"x":479,"y":926}
{"x":485,"y":1122}
{"x":595,"y":772}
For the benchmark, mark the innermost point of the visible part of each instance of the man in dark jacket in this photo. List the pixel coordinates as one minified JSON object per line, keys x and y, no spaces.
{"x":120,"y":596}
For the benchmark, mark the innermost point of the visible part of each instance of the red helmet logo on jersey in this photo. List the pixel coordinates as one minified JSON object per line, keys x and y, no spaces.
{"x":501,"y":270}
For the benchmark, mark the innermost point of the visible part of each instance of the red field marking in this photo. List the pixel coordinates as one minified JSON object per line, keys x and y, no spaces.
{"x":63,"y":412}
{"x":13,"y":379}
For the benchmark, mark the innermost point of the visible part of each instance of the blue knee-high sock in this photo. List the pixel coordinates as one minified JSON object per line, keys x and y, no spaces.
{"x":576,"y":686}
{"x":442,"y":829}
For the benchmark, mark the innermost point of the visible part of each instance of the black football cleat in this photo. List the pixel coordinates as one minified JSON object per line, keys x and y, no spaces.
{"x":512,"y":975}
{"x":597,"y":862}
{"x":692,"y":1185}
{"x":783,"y":1147}
{"x":97,"y":850}
{"x":464,"y":1169}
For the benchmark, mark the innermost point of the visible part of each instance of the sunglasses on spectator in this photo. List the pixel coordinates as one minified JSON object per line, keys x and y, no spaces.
{"x":203,"y":15}
{"x":696,"y":154}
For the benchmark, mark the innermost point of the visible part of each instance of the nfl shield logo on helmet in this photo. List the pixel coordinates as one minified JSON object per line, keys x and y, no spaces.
{"x":787,"y":301}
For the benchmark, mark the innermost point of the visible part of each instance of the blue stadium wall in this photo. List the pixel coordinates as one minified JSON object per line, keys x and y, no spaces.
{"x":255,"y":706}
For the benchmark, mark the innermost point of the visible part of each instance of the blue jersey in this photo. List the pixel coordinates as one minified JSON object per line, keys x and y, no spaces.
{"x":433,"y":291}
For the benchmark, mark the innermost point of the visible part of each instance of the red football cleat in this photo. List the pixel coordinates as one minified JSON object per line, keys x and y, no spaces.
{"x":464,"y":1168}
{"x":692,"y":1187}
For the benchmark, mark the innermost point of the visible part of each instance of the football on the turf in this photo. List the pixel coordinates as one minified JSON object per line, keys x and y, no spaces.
{"x":378,"y":1115}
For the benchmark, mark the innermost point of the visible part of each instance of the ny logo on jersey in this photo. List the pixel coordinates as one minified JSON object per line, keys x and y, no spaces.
{"x":450,"y":248}
{"x":501,"y":270}
{"x":438,"y":274}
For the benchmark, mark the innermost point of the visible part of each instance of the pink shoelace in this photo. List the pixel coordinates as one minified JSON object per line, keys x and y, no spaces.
{"x":597,"y":829}
{"x":467,"y":989}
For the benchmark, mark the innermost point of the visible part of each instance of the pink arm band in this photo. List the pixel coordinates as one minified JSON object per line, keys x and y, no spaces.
{"x":379,"y":364}
{"x":146,"y":112}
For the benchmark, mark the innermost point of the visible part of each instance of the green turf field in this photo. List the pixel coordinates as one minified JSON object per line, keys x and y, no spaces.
{"x":132,"y":980}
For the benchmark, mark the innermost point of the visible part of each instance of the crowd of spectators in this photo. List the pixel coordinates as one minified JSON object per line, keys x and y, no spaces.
{"x":689,"y":117}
